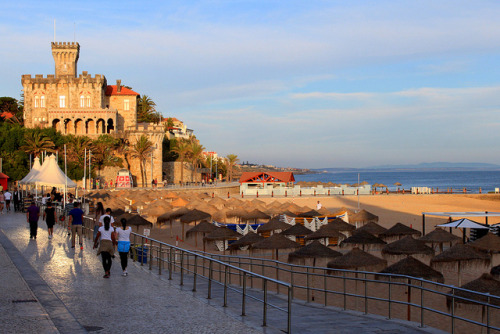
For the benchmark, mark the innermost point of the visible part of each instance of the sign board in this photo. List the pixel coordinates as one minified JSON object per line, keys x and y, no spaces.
{"x":123,"y":181}
{"x":147,"y":232}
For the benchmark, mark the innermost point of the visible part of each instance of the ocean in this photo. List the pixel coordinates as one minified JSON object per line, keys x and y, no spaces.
{"x":457,"y":180}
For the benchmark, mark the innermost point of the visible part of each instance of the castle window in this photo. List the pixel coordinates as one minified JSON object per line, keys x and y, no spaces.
{"x":126,"y":105}
{"x":62,"y":101}
{"x":42,"y":101}
{"x":37,"y":101}
{"x":89,"y":104}
{"x":82,"y":101}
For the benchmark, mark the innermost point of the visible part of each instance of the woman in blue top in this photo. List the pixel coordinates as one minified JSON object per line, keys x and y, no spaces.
{"x":123,"y":236}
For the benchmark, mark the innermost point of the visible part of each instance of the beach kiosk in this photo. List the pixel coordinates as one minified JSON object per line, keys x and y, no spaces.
{"x":265,"y":183}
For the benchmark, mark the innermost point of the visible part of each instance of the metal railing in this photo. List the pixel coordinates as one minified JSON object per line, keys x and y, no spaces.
{"x":330,"y":287}
{"x":162,"y":257}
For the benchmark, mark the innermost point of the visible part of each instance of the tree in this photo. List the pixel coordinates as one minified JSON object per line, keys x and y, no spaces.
{"x":103,"y":152}
{"x":76,"y":146}
{"x":11,"y":110}
{"x":231,"y":161}
{"x":182,"y":148}
{"x":146,"y":112}
{"x":35,"y":143}
{"x":142,"y":150}
{"x":196,"y":155}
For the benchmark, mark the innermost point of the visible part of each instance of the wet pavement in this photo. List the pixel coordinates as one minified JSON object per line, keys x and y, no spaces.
{"x":51,"y":288}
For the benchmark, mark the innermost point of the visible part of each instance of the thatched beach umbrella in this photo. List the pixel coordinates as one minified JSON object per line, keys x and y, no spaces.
{"x":137,"y":220}
{"x":312,"y":251}
{"x":340,"y":225}
{"x":343,"y":210}
{"x":171,"y":216}
{"x":372,"y":228}
{"x":273,"y":226}
{"x":490,"y":243}
{"x":236,"y":212}
{"x":193,"y":216}
{"x":202,"y":228}
{"x":362,"y":238}
{"x":356,"y":259}
{"x":309,"y":214}
{"x":298,"y":231}
{"x":247,"y":240}
{"x":255,"y":215}
{"x":330,"y":235}
{"x":410,"y":266}
{"x":439,"y":236}
{"x":179,"y":202}
{"x":363,"y":217}
{"x":222,"y":234}
{"x":407,"y":246}
{"x":461,"y":255}
{"x":399,"y":230}
{"x":276,"y":242}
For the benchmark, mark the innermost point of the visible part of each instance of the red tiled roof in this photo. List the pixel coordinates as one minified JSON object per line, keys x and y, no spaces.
{"x":253,"y":177}
{"x":3,"y":176}
{"x":113,"y":90}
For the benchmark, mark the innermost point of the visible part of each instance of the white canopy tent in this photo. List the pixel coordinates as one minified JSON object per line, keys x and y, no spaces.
{"x":51,"y":175}
{"x":33,"y":172}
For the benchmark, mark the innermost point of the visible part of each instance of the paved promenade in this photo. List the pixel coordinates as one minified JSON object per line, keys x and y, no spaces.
{"x":47,"y":287}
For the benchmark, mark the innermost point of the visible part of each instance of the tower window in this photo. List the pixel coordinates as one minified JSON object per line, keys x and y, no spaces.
{"x":62,"y":101}
{"x":89,"y":104}
{"x":42,"y":101}
{"x":126,"y":105}
{"x":82,"y":101}
{"x":37,"y":101}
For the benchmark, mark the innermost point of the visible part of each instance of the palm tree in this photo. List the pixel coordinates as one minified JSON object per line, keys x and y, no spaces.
{"x":231,"y":161}
{"x":76,"y":148}
{"x":36,"y":143}
{"x":142,"y":150}
{"x":103,"y":152}
{"x":182,"y":148}
{"x":147,"y":111}
{"x":196,"y":155}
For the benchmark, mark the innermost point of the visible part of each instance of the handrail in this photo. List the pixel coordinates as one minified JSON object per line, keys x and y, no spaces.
{"x":227,"y":266}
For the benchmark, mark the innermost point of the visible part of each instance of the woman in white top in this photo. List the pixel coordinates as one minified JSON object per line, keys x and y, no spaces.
{"x":106,"y":235}
{"x":123,"y":236}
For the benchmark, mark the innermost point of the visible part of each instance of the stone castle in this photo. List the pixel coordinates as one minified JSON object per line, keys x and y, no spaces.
{"x":87,"y":106}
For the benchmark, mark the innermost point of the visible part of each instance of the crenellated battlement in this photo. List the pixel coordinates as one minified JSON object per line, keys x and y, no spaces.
{"x":51,"y":78}
{"x":65,"y":45}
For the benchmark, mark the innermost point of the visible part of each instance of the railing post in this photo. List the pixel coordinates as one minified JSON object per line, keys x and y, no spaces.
{"x":182,"y":268}
{"x":142,"y":251}
{"x":264,"y":315}
{"x":171,"y":257}
{"x":366,"y":297}
{"x":422,"y":304}
{"x":324,"y":286}
{"x":488,"y":316}
{"x":160,"y":259}
{"x":289,"y":313}
{"x":345,"y":297}
{"x":251,"y":269}
{"x":226,"y":270}
{"x":452,"y":310}
{"x":291,"y":279}
{"x":307,"y":286}
{"x":244,"y":294}
{"x":390,"y":297}
{"x":151,"y":255}
{"x":210,"y":273}
{"x":195,"y":272}
{"x":277,"y":278}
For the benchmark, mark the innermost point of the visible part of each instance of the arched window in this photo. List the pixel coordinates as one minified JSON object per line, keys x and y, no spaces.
{"x":62,"y":101}
{"x":89,"y":104}
{"x":42,"y":101}
{"x":82,"y":101}
{"x":37,"y":101}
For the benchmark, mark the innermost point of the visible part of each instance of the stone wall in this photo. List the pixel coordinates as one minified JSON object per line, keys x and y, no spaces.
{"x":172,"y":170}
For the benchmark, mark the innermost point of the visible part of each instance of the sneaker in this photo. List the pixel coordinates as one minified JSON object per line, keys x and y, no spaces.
{"x":81,"y":246}
{"x":125,"y":274}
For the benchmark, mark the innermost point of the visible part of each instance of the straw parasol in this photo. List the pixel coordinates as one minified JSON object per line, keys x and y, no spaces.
{"x":309,"y":214}
{"x":296,"y":230}
{"x":247,"y":240}
{"x":409,"y":266}
{"x":439,"y":236}
{"x":255,"y":215}
{"x":485,"y":284}
{"x":363,"y":217}
{"x":276,"y":242}
{"x":289,"y":214}
{"x":193,"y":216}
{"x":326,"y":232}
{"x":221,"y":233}
{"x":137,"y":220}
{"x":490,"y":243}
{"x":312,"y":251}
{"x":236,"y":212}
{"x":203,"y":228}
{"x":179,"y":202}
{"x":372,"y":228}
{"x":362,"y":238}
{"x":343,"y":210}
{"x":341,"y":225}
{"x":462,"y":255}
{"x":399,"y":230}
{"x":358,"y":260}
{"x":273,"y":226}
{"x":171,"y":216}
{"x":407,"y":246}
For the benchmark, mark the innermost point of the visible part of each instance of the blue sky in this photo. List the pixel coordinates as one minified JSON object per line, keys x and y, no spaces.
{"x":292,"y":83}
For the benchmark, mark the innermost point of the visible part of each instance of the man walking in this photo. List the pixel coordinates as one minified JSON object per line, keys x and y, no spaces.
{"x":76,"y":223}
{"x":17,"y":199}
{"x":32,"y":216}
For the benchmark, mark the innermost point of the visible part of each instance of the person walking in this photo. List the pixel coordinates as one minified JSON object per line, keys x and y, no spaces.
{"x":8,"y":197}
{"x":107,"y":214}
{"x":99,"y":212}
{"x":32,"y":216}
{"x":2,"y":202}
{"x":75,"y":223}
{"x":123,"y":238}
{"x":49,"y":215}
{"x":67,"y":208}
{"x":107,"y":239}
{"x":17,"y":199}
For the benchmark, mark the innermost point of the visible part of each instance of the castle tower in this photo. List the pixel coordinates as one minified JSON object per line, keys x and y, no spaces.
{"x":66,"y":58}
